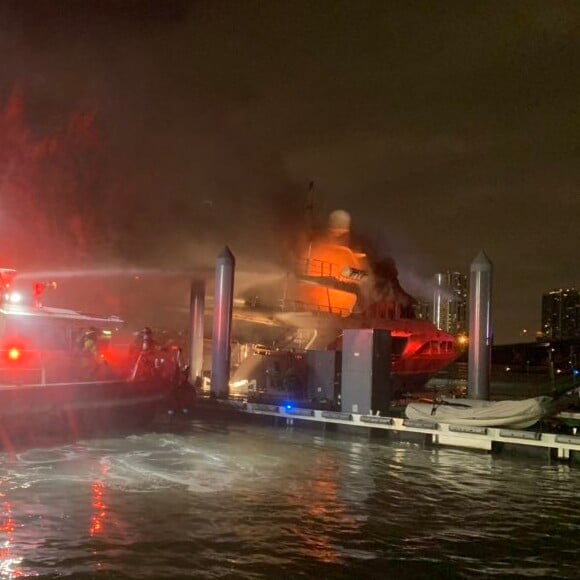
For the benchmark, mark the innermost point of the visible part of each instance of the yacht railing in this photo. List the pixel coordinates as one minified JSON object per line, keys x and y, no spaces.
{"x":297,"y":306}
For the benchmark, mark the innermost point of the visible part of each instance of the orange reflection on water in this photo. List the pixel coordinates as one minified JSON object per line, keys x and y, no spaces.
{"x":100,"y":513}
{"x":100,"y":509}
{"x":8,"y":563}
{"x":319,"y":499}
{"x":99,"y":504}
{"x":105,"y":520}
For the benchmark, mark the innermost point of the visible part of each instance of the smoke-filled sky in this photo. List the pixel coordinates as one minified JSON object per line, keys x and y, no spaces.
{"x":444,"y":128}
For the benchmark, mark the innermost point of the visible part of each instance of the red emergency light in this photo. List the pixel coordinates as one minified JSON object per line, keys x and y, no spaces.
{"x":14,"y":354}
{"x":6,"y":277}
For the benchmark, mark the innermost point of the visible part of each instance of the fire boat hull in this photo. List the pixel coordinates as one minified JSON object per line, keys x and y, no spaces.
{"x":37,"y":415}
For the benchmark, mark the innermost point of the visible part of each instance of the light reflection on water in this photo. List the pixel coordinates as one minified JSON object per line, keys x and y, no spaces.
{"x":256,"y":502}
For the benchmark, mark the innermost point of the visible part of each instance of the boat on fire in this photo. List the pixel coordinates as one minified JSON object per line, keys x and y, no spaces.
{"x":332,"y":287}
{"x":48,"y":388}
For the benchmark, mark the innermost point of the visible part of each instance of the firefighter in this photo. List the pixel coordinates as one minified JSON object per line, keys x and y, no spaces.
{"x":144,"y":340}
{"x":90,"y":356}
{"x":143,"y":351}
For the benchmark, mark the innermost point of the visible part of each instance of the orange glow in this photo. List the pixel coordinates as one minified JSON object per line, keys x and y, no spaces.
{"x":330,"y":275}
{"x":323,"y":299}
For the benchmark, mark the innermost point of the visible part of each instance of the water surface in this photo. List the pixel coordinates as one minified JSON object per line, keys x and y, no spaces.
{"x":250,"y":501}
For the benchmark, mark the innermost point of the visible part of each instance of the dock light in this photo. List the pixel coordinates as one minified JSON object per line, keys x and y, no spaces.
{"x":288,"y":406}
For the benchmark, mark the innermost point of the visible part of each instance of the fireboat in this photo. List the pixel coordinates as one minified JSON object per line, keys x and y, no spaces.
{"x":66,"y":374}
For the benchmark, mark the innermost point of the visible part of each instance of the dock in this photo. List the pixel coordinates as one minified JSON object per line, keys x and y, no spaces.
{"x":563,"y":447}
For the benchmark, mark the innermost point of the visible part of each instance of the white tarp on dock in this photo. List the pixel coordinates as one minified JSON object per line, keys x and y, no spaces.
{"x":512,"y":414}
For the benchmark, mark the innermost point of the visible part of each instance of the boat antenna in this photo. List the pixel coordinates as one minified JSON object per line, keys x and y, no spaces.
{"x":310,"y":216}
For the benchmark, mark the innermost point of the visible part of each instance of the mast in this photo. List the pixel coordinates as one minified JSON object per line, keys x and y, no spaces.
{"x":310,"y":219}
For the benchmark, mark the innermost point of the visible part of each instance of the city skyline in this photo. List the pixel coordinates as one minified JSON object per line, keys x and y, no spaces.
{"x":449,"y":305}
{"x":449,"y":309}
{"x":561,"y":314}
{"x":450,"y":302}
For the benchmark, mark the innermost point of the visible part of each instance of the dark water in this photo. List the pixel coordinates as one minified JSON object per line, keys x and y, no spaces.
{"x":259,"y":502}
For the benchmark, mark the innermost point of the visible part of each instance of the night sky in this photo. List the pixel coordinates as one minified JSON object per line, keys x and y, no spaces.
{"x":444,"y":128}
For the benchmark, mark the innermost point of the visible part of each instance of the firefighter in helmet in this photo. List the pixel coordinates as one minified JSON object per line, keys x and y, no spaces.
{"x":146,"y":339}
{"x":90,"y":356}
{"x":143,"y":352}
{"x":143,"y":341}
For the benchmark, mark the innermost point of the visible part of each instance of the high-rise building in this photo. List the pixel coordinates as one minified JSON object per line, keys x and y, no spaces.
{"x":450,"y":302}
{"x":561,"y":314}
{"x":423,"y":310}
